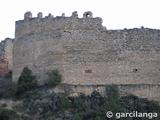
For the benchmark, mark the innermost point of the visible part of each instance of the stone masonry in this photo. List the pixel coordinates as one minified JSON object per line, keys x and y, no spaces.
{"x":6,"y":49}
{"x":86,"y":53}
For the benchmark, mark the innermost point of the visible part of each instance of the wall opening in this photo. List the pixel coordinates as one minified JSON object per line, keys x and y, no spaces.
{"x":135,"y":70}
{"x":88,"y":71}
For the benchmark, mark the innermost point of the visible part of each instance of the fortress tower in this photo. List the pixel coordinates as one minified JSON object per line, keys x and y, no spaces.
{"x":55,"y":43}
{"x":6,"y":60}
{"x":87,"y":54}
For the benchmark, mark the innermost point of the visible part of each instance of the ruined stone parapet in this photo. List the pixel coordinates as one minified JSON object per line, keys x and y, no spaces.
{"x":40,"y":15}
{"x":63,"y":14}
{"x":74,"y":14}
{"x":27,"y":15}
{"x":88,"y":14}
{"x":38,"y":24}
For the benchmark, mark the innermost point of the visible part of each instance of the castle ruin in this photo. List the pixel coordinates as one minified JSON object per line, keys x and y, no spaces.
{"x":6,"y":62}
{"x":87,"y":54}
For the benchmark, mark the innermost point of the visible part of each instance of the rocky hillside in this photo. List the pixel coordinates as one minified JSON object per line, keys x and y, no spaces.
{"x":29,"y":101}
{"x":41,"y":104}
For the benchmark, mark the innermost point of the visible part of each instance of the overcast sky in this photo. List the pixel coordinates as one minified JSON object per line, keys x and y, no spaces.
{"x":116,"y":14}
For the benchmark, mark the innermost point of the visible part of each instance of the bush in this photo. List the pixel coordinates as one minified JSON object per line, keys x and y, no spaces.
{"x":113,"y":104}
{"x":112,"y":92}
{"x":8,"y":92}
{"x":6,"y":114}
{"x":77,"y":116}
{"x":26,"y":82}
{"x":54,"y":78}
{"x":64,"y":103}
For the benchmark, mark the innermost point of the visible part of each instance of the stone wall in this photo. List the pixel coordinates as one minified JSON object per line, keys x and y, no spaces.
{"x":85,"y":52}
{"x":6,"y":49}
{"x":40,"y":42}
{"x":141,"y":90}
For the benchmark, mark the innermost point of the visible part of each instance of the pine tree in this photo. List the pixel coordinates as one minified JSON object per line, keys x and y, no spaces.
{"x":27,"y":81}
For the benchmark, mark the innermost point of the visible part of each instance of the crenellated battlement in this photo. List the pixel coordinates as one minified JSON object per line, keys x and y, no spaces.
{"x":38,"y":24}
{"x":28,"y":15}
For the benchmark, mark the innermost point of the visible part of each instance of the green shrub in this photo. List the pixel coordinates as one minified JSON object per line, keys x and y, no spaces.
{"x":26,"y":82}
{"x":112,"y":92}
{"x":54,"y":78}
{"x":9,"y":92}
{"x":6,"y":114}
{"x":77,"y":116}
{"x":98,"y":118}
{"x":64,"y":103}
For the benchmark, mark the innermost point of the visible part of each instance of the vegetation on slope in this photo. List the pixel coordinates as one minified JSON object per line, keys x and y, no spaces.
{"x":26,"y":82}
{"x":38,"y":103}
{"x":54,"y":78}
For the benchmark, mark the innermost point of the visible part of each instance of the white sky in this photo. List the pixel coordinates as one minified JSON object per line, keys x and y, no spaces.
{"x":116,"y":14}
